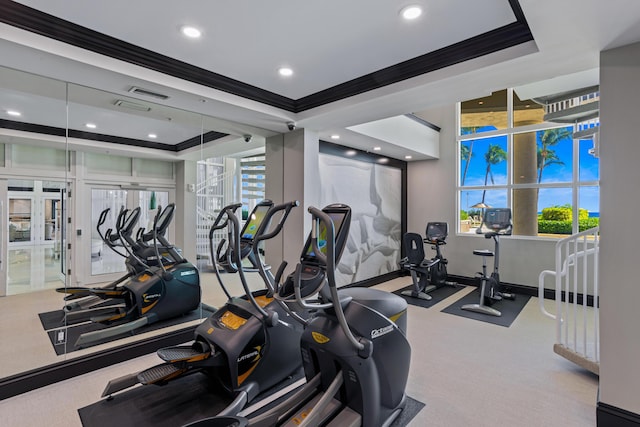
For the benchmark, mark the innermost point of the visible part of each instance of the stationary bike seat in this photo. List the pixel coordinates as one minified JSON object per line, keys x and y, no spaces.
{"x":386,"y":303}
{"x":483,"y":252}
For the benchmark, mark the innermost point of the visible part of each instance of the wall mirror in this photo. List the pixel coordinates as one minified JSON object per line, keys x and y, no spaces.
{"x":69,"y":154}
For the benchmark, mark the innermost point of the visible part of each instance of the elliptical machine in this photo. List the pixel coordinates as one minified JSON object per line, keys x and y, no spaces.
{"x":154,"y":294}
{"x":245,"y":347}
{"x":225,"y":255}
{"x":356,"y":359}
{"x":495,"y":223}
{"x":427,"y":275}
{"x":82,"y":303}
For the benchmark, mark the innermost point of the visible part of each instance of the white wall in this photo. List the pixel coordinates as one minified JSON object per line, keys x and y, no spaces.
{"x":619,"y":205}
{"x":431,"y":196}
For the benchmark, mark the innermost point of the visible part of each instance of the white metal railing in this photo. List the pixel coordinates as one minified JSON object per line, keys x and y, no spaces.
{"x":577,"y":324}
{"x":210,"y":195}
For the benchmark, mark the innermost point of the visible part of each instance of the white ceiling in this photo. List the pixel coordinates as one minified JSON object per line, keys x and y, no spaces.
{"x":326,"y":43}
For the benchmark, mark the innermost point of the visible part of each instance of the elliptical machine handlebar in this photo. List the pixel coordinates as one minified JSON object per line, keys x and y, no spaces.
{"x":261,"y":233}
{"x":217,"y":225}
{"x":271,"y":318}
{"x":318,"y":216}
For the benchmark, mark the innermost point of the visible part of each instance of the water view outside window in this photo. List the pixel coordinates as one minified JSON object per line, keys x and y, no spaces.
{"x":548,"y":179}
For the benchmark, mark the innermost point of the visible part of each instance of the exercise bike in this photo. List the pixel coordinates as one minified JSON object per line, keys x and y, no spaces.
{"x":246,"y":347}
{"x":225,"y":255}
{"x":356,"y":359}
{"x":495,"y":223}
{"x":427,"y":275}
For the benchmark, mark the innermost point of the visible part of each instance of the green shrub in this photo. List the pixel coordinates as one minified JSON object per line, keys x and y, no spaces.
{"x":562,"y":213}
{"x":554,"y":227}
{"x":564,"y":227}
{"x":463,"y":215}
{"x":587,"y":223}
{"x":556,"y":213}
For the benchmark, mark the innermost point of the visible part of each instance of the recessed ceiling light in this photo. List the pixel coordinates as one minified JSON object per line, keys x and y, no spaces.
{"x":411,"y":12}
{"x":407,"y":157}
{"x":14,"y":113}
{"x":480,"y":102}
{"x":377,"y":148}
{"x":191,"y":32}
{"x":383,"y":160}
{"x":351,"y":153}
{"x":285,"y":71}
{"x":152,"y":136}
{"x":90,"y":125}
{"x":335,"y":136}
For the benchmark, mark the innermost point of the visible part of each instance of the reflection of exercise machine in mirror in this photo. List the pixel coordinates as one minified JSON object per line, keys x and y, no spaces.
{"x":495,"y":223}
{"x":154,"y":293}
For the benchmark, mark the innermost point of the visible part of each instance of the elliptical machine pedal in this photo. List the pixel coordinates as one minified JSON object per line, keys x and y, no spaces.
{"x":184,"y":353}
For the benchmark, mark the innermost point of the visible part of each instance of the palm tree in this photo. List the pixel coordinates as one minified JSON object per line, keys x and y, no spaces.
{"x":466,"y":152}
{"x":494,"y":155}
{"x":465,"y":156}
{"x":547,"y":156}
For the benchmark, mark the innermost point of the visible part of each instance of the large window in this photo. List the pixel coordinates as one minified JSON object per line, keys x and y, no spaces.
{"x":508,"y":156}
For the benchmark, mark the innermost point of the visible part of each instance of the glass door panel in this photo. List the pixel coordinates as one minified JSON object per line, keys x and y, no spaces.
{"x":34,"y":236}
{"x":20,"y":219}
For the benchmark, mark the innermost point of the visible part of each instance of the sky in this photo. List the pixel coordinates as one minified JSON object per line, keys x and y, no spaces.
{"x":555,"y":173}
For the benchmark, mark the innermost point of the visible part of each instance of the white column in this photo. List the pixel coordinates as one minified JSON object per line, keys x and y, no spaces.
{"x":619,"y":208}
{"x":292,"y":174}
{"x":185,"y":215}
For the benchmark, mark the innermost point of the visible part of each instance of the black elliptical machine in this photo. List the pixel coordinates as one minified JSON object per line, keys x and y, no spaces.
{"x":154,"y":294}
{"x":246,"y":347}
{"x":496,"y":222}
{"x":356,"y":359}
{"x":427,"y":275}
{"x":225,"y":254}
{"x":81,"y":302}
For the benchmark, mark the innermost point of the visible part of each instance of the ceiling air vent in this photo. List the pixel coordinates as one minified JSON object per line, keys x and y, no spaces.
{"x":147,"y":92}
{"x":132,"y":105}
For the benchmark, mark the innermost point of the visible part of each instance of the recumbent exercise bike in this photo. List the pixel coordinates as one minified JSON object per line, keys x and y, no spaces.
{"x":427,"y":274}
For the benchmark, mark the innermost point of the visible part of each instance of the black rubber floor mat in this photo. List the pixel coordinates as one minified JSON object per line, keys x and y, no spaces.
{"x":437,"y":295}
{"x":182,"y":401}
{"x":510,"y":309}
